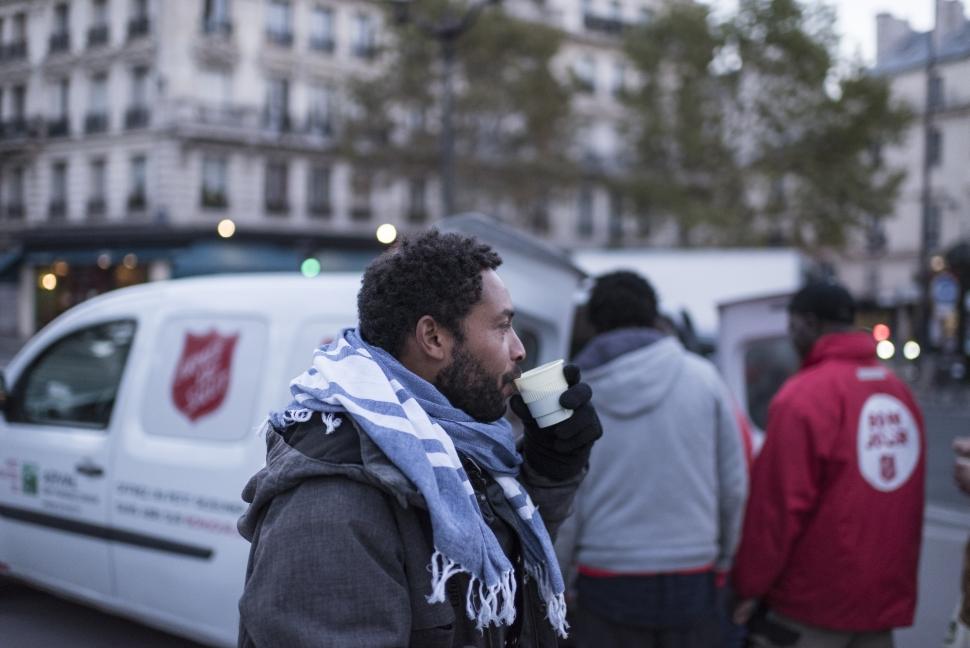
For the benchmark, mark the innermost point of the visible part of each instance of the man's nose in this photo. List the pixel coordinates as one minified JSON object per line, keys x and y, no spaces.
{"x":518,"y":349}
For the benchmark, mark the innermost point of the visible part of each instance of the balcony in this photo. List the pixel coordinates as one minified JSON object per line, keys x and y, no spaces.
{"x":13,"y":52}
{"x":139,"y":27}
{"x":14,"y":211}
{"x":96,"y":123}
{"x":319,"y":125}
{"x":15,"y":128}
{"x":57,"y":210}
{"x":324,"y":44}
{"x":96,"y":208}
{"x":98,"y":36}
{"x":604,"y":24}
{"x":276,"y":121}
{"x":59,"y":43}
{"x":213,"y":199}
{"x":137,"y":117}
{"x":137,"y":201}
{"x":280,"y":39}
{"x":58,"y":127}
{"x":277,"y":206}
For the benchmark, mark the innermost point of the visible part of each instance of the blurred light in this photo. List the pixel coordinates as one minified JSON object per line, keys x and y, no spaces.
{"x":310,"y":267}
{"x":880,"y":332}
{"x":885,"y":350}
{"x":911,"y":350}
{"x":386,"y":233}
{"x":48,"y":281}
{"x":226,"y":228}
{"x":130,"y":261}
{"x":104,"y":261}
{"x":937,"y":263}
{"x":61,"y":268}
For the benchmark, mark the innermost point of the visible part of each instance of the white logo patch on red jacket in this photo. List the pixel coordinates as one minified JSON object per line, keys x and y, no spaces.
{"x":888,"y":444}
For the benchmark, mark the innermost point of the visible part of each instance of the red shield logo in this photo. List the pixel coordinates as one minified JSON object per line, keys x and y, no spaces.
{"x":887,"y":467}
{"x":202,"y":374}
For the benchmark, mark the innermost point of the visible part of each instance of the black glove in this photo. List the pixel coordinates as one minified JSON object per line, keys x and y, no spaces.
{"x":561,"y":451}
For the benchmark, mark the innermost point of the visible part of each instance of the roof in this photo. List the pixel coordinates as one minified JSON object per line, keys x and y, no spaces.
{"x":913,"y":51}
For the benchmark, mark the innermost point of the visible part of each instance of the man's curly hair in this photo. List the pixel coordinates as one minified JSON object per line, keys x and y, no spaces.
{"x":622,"y":299}
{"x":430,"y":274}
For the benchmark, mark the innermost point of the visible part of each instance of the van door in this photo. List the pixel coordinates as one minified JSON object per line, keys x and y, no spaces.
{"x":55,"y":447}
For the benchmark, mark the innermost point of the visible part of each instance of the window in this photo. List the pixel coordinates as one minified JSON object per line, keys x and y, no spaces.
{"x":138,"y":20}
{"x":585,"y":74}
{"x":60,"y":94}
{"x":15,"y":200}
{"x":936,"y":92}
{"x":364,"y":42}
{"x":215,"y":86}
{"x":139,"y":9}
{"x":75,"y":381}
{"x":584,"y":223}
{"x":215,"y":17}
{"x":320,"y":108}
{"x":360,"y":190}
{"x":278,"y":19}
{"x":19,"y":106}
{"x":616,"y":216}
{"x":417,"y":200}
{"x":618,"y":85}
{"x":278,"y":104}
{"x":934,"y":148}
{"x":214,"y":181}
{"x":58,"y":202}
{"x":139,"y":86}
{"x":19,"y":29}
{"x":97,"y":185}
{"x":62,"y":23}
{"x":136,"y":182}
{"x":98,"y":99}
{"x":318,"y":191}
{"x":321,"y":29}
{"x":767,"y":364}
{"x":616,"y":11}
{"x":276,"y":188}
{"x":99,"y":13}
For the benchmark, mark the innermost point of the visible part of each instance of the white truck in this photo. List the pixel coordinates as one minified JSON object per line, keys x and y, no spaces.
{"x":129,"y":427}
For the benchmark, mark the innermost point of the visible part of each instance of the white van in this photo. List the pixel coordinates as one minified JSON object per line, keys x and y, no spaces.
{"x":129,"y":429}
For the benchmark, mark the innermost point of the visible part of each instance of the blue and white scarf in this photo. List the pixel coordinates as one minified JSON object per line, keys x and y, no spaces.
{"x":421,"y":434}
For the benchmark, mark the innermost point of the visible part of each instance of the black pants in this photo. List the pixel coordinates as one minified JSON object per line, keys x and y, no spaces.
{"x":594,"y":631}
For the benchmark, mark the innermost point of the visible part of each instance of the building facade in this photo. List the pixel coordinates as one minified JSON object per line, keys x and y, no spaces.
{"x":126,"y":122}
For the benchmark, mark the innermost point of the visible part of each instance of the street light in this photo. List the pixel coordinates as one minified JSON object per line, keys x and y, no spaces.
{"x":446,"y":30}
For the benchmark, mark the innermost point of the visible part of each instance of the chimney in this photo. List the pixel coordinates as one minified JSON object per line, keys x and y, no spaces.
{"x":950,"y":20}
{"x":890,"y":34}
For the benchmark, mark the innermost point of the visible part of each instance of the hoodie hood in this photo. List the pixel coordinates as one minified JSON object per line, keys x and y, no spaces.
{"x":637,"y":381}
{"x":303,"y":451}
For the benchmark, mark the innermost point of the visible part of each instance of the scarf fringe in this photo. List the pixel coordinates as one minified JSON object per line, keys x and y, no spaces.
{"x":484,"y":604}
{"x":555,"y":603}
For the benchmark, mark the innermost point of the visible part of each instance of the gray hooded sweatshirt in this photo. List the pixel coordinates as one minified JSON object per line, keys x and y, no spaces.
{"x":667,"y":483}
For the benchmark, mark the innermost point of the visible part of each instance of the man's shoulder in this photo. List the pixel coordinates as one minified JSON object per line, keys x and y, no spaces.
{"x":332,"y":437}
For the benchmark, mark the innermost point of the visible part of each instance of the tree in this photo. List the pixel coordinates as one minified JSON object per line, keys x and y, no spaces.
{"x":511,"y":115}
{"x":795,"y":137}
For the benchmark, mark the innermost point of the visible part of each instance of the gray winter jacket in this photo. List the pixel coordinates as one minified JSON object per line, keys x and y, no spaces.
{"x":667,"y":483}
{"x":341,"y":547}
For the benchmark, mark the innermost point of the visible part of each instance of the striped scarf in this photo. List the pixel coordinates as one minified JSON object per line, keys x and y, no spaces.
{"x":421,"y":433}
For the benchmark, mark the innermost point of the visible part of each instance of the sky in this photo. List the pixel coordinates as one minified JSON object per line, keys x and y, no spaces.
{"x":857,"y":21}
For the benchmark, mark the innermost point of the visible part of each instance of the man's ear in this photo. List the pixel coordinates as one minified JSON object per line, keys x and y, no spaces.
{"x":434,"y":341}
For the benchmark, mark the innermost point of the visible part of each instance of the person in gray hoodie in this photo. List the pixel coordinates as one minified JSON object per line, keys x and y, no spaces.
{"x":395,"y":508}
{"x":659,"y":515}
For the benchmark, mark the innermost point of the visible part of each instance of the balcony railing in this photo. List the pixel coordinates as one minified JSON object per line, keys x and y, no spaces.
{"x":138,"y":27}
{"x":417,"y":215}
{"x":14,"y":211}
{"x":280,"y":38}
{"x":59,"y":43}
{"x":57,"y":210}
{"x":137,"y":117}
{"x":277,"y":206}
{"x":96,"y":123}
{"x":15,"y":128}
{"x":214,"y":199}
{"x":98,"y":36}
{"x":96,"y":208}
{"x":319,"y":125}
{"x":323,"y":44}
{"x":13,"y":51}
{"x":276,"y":121}
{"x":58,"y":127}
{"x":320,"y":210}
{"x":605,"y":24}
{"x":137,"y":201}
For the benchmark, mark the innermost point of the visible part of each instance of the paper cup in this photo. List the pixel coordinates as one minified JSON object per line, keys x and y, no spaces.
{"x":540,"y":389}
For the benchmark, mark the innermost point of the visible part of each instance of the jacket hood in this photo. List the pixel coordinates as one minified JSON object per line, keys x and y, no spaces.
{"x":637,"y":381}
{"x":306,"y":451}
{"x":857,"y":346}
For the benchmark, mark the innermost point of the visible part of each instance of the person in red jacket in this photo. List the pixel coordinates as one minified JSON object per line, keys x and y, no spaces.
{"x":832,"y":532}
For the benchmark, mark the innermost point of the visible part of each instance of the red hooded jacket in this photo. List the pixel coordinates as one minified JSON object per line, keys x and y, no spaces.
{"x":834,"y":520}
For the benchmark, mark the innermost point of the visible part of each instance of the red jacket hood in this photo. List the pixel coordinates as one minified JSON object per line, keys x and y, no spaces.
{"x":857,"y":346}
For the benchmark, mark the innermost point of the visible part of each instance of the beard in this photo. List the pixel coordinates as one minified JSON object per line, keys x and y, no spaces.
{"x":469,"y":387}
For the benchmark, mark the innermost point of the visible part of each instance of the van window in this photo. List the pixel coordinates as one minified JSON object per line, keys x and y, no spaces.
{"x":767,"y":364}
{"x":74,"y":382}
{"x":205,"y":377}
